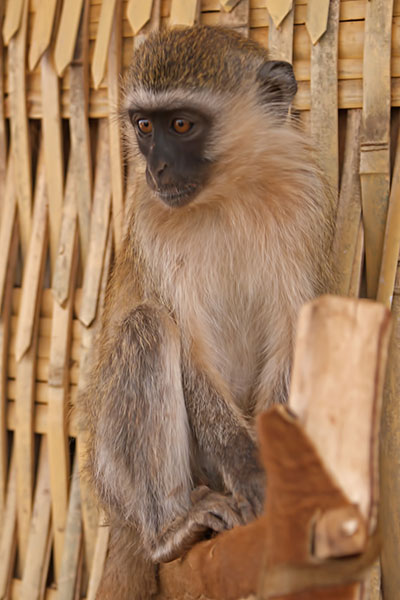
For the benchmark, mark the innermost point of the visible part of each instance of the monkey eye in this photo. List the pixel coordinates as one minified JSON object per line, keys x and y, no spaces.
{"x":145,"y":126}
{"x":181,"y":125}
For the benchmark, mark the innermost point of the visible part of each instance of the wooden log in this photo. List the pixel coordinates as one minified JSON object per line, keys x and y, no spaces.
{"x":390,"y":461}
{"x":316,"y":507}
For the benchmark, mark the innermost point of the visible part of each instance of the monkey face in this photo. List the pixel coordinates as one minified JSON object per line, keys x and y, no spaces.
{"x":173,"y":144}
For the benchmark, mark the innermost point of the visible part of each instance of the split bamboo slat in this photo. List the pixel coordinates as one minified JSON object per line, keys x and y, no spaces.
{"x":63,"y":202}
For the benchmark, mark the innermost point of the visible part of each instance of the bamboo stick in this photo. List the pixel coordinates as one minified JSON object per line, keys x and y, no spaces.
{"x":53,"y":149}
{"x":80,"y":137}
{"x":28,"y":325}
{"x":67,"y":34}
{"x":42,"y":31}
{"x":184,"y":12}
{"x":3,"y":132}
{"x":89,"y":507}
{"x":19,"y":129}
{"x":278,"y":10}
{"x":348,"y":217}
{"x":8,"y":534}
{"x":99,"y":228}
{"x":237,"y":18}
{"x":57,"y":420}
{"x":324,"y":105}
{"x":4,"y":341}
{"x":38,"y":535}
{"x":103,"y":36}
{"x":280,"y":39}
{"x":116,"y":160}
{"x":391,"y":243}
{"x":73,"y":541}
{"x":374,"y":160}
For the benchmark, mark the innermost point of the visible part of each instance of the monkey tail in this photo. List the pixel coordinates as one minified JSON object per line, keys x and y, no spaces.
{"x":128,"y":574}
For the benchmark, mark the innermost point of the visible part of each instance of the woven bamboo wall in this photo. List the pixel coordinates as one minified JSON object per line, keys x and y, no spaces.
{"x":62,"y":194}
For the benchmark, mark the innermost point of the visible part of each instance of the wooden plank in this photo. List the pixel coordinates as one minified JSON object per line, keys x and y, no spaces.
{"x":99,"y":228}
{"x":67,"y":34}
{"x":8,"y":534}
{"x":102,"y":42}
{"x":19,"y":129}
{"x":324,"y":103}
{"x":116,"y":158}
{"x":363,"y":327}
{"x":80,"y":136}
{"x":39,"y":530}
{"x":53,"y":149}
{"x":42,"y":31}
{"x":73,"y":541}
{"x":348,"y":217}
{"x":57,"y":417}
{"x":374,"y":160}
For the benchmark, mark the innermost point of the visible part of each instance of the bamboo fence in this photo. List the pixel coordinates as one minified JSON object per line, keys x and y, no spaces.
{"x":62,"y":194}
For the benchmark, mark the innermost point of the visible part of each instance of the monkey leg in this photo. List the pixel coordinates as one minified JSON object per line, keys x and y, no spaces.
{"x":141,"y":449}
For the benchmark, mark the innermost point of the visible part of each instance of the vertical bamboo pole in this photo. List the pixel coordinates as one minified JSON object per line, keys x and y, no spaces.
{"x":348,"y":219}
{"x":26,"y":340}
{"x":280,"y":39}
{"x":324,"y":95}
{"x":19,"y":128}
{"x":116,"y":159}
{"x":374,"y":160}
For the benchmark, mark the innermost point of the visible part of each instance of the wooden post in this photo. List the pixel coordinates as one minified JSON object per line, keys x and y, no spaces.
{"x":321,"y":464}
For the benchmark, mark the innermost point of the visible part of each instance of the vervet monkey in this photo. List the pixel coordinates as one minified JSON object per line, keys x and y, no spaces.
{"x":228,"y":236}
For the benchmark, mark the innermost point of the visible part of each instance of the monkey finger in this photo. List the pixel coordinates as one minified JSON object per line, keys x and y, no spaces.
{"x":199,"y":493}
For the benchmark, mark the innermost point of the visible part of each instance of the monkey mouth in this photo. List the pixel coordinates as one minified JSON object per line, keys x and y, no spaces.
{"x":178,"y":196}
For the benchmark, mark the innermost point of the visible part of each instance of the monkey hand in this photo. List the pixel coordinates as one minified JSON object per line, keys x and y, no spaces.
{"x":248,"y":492}
{"x":210,"y":511}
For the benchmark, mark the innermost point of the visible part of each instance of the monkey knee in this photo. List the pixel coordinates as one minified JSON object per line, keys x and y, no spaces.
{"x":147,"y":328}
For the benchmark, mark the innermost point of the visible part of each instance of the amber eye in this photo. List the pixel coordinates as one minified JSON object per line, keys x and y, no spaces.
{"x":145,"y":126}
{"x":181,"y":125}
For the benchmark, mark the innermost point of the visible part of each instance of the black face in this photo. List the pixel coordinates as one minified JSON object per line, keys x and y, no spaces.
{"x":173,"y":144}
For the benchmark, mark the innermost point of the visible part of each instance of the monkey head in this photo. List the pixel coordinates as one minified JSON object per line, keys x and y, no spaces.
{"x":193,"y":100}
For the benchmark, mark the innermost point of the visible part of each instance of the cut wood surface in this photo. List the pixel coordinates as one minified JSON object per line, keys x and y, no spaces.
{"x":63,"y":207}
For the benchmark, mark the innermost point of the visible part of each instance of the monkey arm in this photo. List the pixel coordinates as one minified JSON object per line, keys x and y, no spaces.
{"x":140,"y":454}
{"x":224,"y":438}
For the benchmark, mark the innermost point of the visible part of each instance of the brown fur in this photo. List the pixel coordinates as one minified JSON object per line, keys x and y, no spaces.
{"x":199,"y":326}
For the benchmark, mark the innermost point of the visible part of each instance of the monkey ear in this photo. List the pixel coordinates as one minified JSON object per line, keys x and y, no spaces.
{"x":277,"y":84}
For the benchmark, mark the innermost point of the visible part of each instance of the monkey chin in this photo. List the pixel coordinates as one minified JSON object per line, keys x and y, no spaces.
{"x":176,"y":197}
